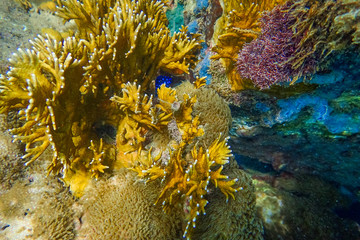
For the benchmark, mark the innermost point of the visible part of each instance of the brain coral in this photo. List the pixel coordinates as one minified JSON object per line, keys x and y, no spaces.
{"x":235,"y":219}
{"x":213,"y":111}
{"x":123,"y":208}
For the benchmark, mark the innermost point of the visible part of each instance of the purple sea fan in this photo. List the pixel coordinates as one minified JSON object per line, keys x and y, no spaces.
{"x":266,"y":59}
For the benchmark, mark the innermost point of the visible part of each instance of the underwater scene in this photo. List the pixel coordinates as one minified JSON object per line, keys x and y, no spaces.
{"x":180,"y":119}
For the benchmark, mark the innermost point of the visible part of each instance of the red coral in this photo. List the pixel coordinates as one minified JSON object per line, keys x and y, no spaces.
{"x":268,"y":59}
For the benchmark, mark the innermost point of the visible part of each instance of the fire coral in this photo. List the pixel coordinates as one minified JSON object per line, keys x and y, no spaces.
{"x":61,"y":90}
{"x":186,"y":174}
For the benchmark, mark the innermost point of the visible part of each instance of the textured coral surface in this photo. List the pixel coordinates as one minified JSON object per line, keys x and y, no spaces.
{"x":149,"y":161}
{"x":123,"y":208}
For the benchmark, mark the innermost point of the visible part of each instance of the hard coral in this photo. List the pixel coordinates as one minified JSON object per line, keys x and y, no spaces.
{"x":123,"y":208}
{"x":238,"y":25}
{"x":11,"y":166}
{"x":60,"y":223}
{"x":62,"y":89}
{"x":214,"y":113}
{"x":235,"y":219}
{"x":186,"y":172}
{"x":186,"y":180}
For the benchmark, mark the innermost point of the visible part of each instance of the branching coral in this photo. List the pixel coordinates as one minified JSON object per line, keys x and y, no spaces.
{"x":322,"y":30}
{"x":238,"y":25}
{"x":310,"y":32}
{"x":186,"y":174}
{"x":289,"y":48}
{"x":25,"y":4}
{"x":214,"y":113}
{"x":129,"y":40}
{"x":62,"y":89}
{"x":186,"y":180}
{"x":265,"y":60}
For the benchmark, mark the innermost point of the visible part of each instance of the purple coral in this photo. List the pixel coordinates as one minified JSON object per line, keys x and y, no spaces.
{"x":266,"y":60}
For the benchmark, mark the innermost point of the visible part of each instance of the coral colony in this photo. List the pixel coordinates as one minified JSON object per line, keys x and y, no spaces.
{"x":70,"y":85}
{"x":303,"y":32}
{"x":62,"y":88}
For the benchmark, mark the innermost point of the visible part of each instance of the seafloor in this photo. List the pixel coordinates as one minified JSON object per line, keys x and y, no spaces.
{"x":301,"y":150}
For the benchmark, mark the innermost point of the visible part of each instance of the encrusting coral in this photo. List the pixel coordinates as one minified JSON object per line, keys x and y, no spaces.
{"x":238,"y":25}
{"x":11,"y":166}
{"x":62,"y":89}
{"x":60,"y":223}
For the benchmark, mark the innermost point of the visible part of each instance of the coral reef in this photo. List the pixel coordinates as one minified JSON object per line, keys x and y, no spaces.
{"x":37,"y":207}
{"x":310,"y":33}
{"x":14,"y":212}
{"x":322,"y":30}
{"x":290,"y":47}
{"x":214,"y":113}
{"x":60,"y":224}
{"x":266,"y":59}
{"x":86,"y":97}
{"x":186,"y":168}
{"x":123,"y":208}
{"x":290,"y":206}
{"x":24,"y":26}
{"x":60,"y":87}
{"x":306,"y":132}
{"x":238,"y":25}
{"x":231,"y":220}
{"x":11,"y":167}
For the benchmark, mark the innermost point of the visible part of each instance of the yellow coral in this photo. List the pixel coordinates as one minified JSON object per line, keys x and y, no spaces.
{"x":25,"y":4}
{"x":141,"y":116}
{"x":199,"y":82}
{"x":235,"y":219}
{"x":96,"y":166}
{"x":185,"y":175}
{"x":62,"y":86}
{"x":129,"y":40}
{"x":238,"y":25}
{"x":214,"y":113}
{"x":48,"y":6}
{"x":186,"y":180}
{"x":180,"y":55}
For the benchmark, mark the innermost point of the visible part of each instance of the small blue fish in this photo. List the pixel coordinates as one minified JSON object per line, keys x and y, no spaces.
{"x":160,"y":80}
